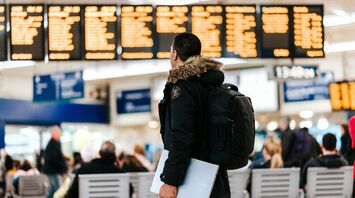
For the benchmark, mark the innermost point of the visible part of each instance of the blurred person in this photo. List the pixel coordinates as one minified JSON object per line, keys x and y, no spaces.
{"x":78,"y":161}
{"x":106,"y":163}
{"x":140,"y":154}
{"x":346,"y":144}
{"x":183,"y":113}
{"x":271,"y":153}
{"x":40,"y":160}
{"x":9,"y":165}
{"x":329,"y":158}
{"x":287,"y":140}
{"x":25,"y":169}
{"x":54,"y":161}
{"x":352,"y":136}
{"x":305,"y":147}
{"x":132,"y":164}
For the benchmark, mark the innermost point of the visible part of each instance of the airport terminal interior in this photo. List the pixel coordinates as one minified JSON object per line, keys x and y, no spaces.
{"x":77,"y":77}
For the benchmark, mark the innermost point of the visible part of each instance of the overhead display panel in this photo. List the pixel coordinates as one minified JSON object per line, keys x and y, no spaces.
{"x":241,"y":34}
{"x":342,"y":95}
{"x":3,"y":42}
{"x":100,"y":30}
{"x":275,"y":31}
{"x":308,"y":31}
{"x":64,"y":32}
{"x":27,"y":32}
{"x":137,"y":32}
{"x":170,"y":21}
{"x":207,"y":24}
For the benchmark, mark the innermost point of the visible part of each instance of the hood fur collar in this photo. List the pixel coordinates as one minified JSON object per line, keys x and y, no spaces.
{"x":194,"y":66}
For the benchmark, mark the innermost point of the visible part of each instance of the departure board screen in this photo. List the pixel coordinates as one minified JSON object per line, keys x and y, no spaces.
{"x":27,"y":33}
{"x":3,"y":42}
{"x":241,"y":39}
{"x":342,"y":95}
{"x":137,"y":32}
{"x":207,"y":24}
{"x":275,"y":31}
{"x":308,"y":31}
{"x":64,"y":32}
{"x":100,"y":26}
{"x":170,"y":21}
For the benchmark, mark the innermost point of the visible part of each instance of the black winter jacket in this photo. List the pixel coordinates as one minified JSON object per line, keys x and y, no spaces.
{"x":54,"y":162}
{"x":183,"y":117}
{"x":97,"y":166}
{"x":329,"y":161}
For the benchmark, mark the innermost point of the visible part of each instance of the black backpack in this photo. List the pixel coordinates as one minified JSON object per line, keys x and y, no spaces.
{"x":231,"y":127}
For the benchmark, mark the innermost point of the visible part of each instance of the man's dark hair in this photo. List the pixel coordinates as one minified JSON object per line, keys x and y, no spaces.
{"x":108,"y":151}
{"x":329,"y":142}
{"x":187,"y":45}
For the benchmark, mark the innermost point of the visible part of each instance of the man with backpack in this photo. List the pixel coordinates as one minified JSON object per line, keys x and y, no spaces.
{"x":199,"y":120}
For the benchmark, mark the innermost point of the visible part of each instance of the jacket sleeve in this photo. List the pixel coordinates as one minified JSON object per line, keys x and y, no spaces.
{"x":183,"y":130}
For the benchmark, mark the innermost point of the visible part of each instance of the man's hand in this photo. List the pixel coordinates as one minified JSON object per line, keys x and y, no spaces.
{"x":168,"y":191}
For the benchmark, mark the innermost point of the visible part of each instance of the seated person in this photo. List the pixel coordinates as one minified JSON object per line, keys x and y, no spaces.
{"x":132,"y":164}
{"x":271,"y":153}
{"x":105,"y":164}
{"x":329,"y":158}
{"x":26,"y":169}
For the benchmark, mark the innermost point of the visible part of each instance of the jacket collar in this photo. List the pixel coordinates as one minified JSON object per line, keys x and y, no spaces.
{"x":194,"y":66}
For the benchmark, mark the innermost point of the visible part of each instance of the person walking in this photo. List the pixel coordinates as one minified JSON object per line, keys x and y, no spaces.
{"x":183,"y":113}
{"x":54,"y":161}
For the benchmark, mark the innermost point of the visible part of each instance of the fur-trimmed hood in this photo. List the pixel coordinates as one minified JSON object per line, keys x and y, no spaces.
{"x":194,"y":66}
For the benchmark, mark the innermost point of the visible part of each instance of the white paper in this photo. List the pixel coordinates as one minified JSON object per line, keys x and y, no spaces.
{"x":198,"y":182}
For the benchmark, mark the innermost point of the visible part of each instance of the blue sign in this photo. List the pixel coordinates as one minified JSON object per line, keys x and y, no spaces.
{"x":308,"y":90}
{"x":2,"y":135}
{"x":133,"y":101}
{"x":62,"y":86}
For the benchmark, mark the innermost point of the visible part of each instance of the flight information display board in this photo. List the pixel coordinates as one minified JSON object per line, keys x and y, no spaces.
{"x":241,"y":34}
{"x":170,"y":21}
{"x":207,"y":24}
{"x":3,"y":41}
{"x":308,"y":31}
{"x":64,"y":32}
{"x":100,"y":27}
{"x":137,"y":32}
{"x":27,"y":32}
{"x":275,"y":31}
{"x":342,"y":95}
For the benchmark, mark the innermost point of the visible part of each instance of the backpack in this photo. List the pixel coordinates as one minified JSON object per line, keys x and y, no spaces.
{"x":301,"y":145}
{"x":231,"y":127}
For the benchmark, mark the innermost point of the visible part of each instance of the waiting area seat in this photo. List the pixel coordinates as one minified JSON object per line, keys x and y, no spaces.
{"x":330,"y":183}
{"x":141,"y":183}
{"x":266,"y":183}
{"x":238,"y":182}
{"x":32,"y":186}
{"x":275,"y":183}
{"x":104,"y":186}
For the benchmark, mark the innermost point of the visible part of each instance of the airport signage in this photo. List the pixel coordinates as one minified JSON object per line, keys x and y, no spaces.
{"x":342,"y":95}
{"x":59,"y":86}
{"x":286,"y":72}
{"x":133,"y":101}
{"x":111,"y":32}
{"x":308,"y":90}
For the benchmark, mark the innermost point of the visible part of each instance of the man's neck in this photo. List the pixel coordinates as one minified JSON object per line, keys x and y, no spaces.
{"x":325,"y":152}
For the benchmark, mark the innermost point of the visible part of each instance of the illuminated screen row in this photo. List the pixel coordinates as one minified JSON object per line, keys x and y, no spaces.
{"x":109,"y":32}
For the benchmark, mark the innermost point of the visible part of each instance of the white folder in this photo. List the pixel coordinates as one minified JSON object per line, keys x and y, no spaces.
{"x":198,"y":182}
